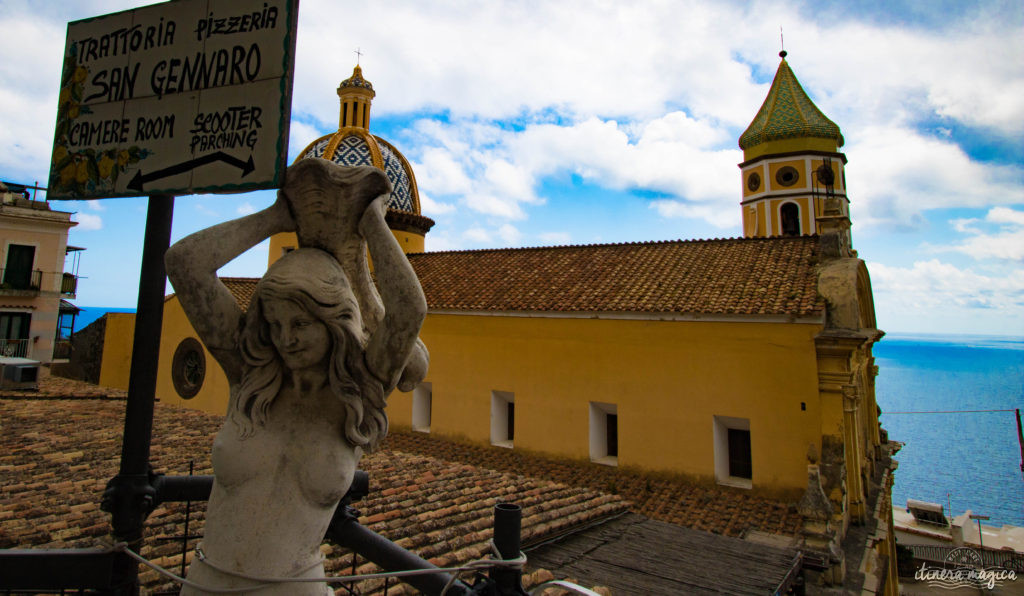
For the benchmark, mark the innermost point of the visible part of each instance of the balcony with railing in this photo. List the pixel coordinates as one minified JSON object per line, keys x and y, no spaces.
{"x":14,"y":348}
{"x":17,"y":281}
{"x":69,"y":285}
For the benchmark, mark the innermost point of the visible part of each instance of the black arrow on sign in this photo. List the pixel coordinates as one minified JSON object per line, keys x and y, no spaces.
{"x":139,"y":179}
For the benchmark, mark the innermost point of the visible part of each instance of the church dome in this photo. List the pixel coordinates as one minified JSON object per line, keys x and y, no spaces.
{"x":353,"y":145}
{"x":358,"y":148}
{"x":788,"y":113}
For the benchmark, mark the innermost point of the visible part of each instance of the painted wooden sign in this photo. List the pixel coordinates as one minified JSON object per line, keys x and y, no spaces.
{"x":184,"y":97}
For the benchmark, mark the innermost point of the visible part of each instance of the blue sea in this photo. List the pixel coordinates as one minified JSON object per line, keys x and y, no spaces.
{"x":964,"y":460}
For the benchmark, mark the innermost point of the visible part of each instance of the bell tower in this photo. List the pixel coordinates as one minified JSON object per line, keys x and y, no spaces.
{"x":792,"y":171}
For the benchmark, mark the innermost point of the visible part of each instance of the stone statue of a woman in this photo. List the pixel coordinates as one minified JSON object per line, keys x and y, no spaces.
{"x":310,"y":365}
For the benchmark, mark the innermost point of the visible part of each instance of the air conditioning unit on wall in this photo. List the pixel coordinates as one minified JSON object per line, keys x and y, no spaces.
{"x":19,"y":373}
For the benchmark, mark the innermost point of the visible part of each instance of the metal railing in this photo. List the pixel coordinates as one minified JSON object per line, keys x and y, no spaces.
{"x":69,"y":284}
{"x":933,"y":553}
{"x":104,"y":570}
{"x":16,"y":280}
{"x":16,"y":348}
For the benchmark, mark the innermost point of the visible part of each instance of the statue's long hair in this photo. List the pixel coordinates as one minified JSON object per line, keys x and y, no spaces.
{"x":315,"y":281}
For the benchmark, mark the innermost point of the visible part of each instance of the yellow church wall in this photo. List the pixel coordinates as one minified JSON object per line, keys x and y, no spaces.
{"x":749,"y":220}
{"x":213,"y":396}
{"x":117,"y":350}
{"x":685,"y":372}
{"x":806,"y":215}
{"x":410,"y":243}
{"x":668,"y":380}
{"x":278,"y":245}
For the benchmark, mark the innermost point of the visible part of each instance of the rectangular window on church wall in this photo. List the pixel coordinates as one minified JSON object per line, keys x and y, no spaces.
{"x":503,"y":418}
{"x":733,"y":453}
{"x":422,"y":405}
{"x":611,"y":422}
{"x":510,"y":421}
{"x":739,"y":453}
{"x":604,"y":433}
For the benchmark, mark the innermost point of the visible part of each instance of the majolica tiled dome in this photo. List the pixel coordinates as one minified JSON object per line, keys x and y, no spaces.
{"x":788,"y":113}
{"x":353,"y":145}
{"x":355,"y":148}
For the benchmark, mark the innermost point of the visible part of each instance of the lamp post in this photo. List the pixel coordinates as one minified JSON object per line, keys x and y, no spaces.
{"x":978,"y":519}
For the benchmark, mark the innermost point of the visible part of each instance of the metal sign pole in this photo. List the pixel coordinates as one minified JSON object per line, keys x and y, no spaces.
{"x":129,"y":495}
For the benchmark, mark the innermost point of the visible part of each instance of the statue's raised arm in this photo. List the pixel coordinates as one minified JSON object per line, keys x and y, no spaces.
{"x":192,"y":265}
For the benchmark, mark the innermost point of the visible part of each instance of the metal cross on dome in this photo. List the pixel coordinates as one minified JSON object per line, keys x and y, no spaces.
{"x":359,"y":54}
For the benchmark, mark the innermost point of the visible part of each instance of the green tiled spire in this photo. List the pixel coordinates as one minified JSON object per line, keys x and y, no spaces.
{"x":788,"y":113}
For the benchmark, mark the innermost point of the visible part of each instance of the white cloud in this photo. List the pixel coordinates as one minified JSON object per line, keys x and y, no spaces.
{"x":88,"y":222}
{"x":439,"y":171}
{"x":645,"y":96}
{"x":440,"y":240}
{"x":555,"y":238}
{"x":301,"y":134}
{"x":503,"y":235}
{"x":509,"y":235}
{"x":1006,"y":216}
{"x":526,"y":56}
{"x":966,"y":225}
{"x":201,"y":208}
{"x":245,"y":209}
{"x":493,"y":204}
{"x":1005,"y":242}
{"x":936,"y":297}
{"x":430,"y":207}
{"x":617,"y":120}
{"x":499,"y":173}
{"x":477,"y":234}
{"x":896,"y":174}
{"x":939,"y":287}
{"x":716,"y":216}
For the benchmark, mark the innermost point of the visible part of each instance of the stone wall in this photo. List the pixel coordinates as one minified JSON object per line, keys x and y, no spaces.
{"x":86,"y":353}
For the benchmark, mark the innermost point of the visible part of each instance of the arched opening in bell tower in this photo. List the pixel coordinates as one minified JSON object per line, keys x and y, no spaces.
{"x":789,"y":215}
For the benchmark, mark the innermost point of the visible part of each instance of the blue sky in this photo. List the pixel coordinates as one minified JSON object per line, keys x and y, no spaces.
{"x":541,"y":123}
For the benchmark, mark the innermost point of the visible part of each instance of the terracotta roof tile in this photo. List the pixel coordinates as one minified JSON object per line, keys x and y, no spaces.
{"x":241,"y":288}
{"x":733,"y":276}
{"x":441,"y":509}
{"x":59,"y":387}
{"x":737,"y":276}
